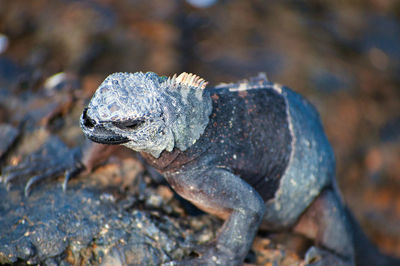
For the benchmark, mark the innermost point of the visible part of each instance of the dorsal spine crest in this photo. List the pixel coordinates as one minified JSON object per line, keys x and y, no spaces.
{"x":191,"y":80}
{"x":186,"y":81}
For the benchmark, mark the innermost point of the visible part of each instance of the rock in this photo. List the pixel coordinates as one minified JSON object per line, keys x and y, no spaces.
{"x":77,"y":227}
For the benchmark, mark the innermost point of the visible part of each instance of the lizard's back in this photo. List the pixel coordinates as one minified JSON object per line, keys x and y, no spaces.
{"x":249,"y":134}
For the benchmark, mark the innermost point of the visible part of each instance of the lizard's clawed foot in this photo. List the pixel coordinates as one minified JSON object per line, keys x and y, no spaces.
{"x":52,"y":159}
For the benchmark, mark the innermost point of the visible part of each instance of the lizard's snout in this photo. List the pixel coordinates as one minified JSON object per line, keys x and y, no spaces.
{"x":99,"y":132}
{"x":86,"y":120}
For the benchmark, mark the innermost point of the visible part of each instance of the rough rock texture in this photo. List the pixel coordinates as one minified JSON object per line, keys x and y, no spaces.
{"x":82,"y":225}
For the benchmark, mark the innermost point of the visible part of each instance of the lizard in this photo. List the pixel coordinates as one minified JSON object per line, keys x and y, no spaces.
{"x":253,"y":153}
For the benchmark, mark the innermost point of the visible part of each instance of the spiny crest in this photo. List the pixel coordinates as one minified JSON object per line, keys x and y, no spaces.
{"x":186,"y":80}
{"x":191,"y":80}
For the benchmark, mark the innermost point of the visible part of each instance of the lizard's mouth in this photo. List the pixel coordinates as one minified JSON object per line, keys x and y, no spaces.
{"x":98,"y":133}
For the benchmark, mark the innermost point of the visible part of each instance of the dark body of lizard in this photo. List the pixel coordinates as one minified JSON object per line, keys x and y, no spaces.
{"x":251,"y":152}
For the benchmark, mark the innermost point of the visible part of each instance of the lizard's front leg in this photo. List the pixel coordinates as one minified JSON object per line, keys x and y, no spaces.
{"x":226,"y":195}
{"x":53,"y":159}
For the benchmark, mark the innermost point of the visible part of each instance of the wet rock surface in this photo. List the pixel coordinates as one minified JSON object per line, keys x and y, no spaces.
{"x":79,"y":226}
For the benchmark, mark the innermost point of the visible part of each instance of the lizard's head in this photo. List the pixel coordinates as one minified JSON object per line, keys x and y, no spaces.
{"x":144,"y":111}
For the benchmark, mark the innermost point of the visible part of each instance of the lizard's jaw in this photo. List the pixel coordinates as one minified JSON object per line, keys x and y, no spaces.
{"x":104,"y":138}
{"x":98,"y":133}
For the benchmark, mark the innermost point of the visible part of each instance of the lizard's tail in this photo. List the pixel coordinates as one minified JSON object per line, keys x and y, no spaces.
{"x":366,"y":253}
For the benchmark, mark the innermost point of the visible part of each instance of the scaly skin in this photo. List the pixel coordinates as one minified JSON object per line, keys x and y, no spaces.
{"x":253,"y":153}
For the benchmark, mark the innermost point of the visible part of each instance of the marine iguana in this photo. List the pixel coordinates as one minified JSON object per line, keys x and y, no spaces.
{"x":253,"y":153}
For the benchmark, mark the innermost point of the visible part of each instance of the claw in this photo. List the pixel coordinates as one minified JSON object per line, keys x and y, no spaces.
{"x":68,"y":175}
{"x":26,"y":168}
{"x":30,"y":182}
{"x":71,"y":173}
{"x":18,"y":172}
{"x":50,"y":173}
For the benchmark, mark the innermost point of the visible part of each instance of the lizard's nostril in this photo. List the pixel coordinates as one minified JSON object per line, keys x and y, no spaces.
{"x":87,"y":121}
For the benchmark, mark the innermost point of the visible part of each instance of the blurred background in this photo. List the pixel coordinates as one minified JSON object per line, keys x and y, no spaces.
{"x":344,"y":56}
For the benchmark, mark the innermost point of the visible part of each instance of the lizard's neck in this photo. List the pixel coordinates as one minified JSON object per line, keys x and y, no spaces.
{"x":191,"y":119}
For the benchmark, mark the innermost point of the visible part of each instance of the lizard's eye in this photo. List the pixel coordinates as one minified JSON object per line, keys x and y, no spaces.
{"x":130,"y":124}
